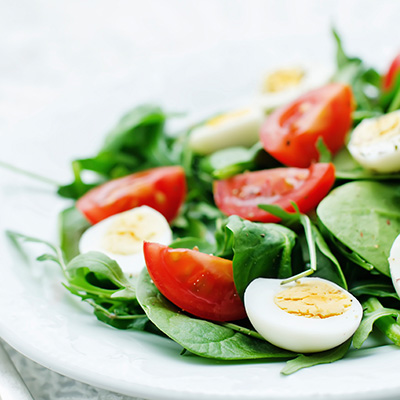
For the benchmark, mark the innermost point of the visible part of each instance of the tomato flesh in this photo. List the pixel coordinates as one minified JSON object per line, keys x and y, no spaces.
{"x":390,"y":78}
{"x":241,"y":194}
{"x":291,"y":132}
{"x":200,"y":284}
{"x":162,"y":188}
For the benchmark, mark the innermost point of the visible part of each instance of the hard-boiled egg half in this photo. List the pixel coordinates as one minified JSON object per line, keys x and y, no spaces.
{"x":308,"y":315}
{"x":394,"y":264}
{"x":236,"y":128}
{"x":121,"y":236}
{"x":283,"y":85}
{"x":375,"y":143}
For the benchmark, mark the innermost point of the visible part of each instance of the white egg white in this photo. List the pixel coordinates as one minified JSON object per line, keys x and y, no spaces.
{"x":143,"y":223}
{"x":394,"y":264}
{"x":235,"y":128}
{"x":375,"y":143}
{"x":294,"y":332}
{"x":314,"y":76}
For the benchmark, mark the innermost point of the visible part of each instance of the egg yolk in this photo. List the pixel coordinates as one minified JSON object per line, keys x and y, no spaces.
{"x":313,"y":300}
{"x":127,"y":233}
{"x":221,"y":119}
{"x":283,"y":79}
{"x":386,"y":126}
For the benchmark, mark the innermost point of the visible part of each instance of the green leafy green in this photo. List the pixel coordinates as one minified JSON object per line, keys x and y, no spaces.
{"x":136,"y":143}
{"x":260,"y":250}
{"x":380,"y":316}
{"x":365,"y":217}
{"x":325,"y":357}
{"x":99,"y":281}
{"x":363,"y":80}
{"x":374,"y":289}
{"x":71,"y":224}
{"x":346,"y":168}
{"x":201,"y":337}
{"x":316,"y":251}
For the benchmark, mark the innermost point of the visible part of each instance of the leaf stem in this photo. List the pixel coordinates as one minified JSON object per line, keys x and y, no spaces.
{"x":112,"y":315}
{"x":28,"y":173}
{"x":386,"y":325}
{"x":242,"y":329}
{"x":395,"y":104}
{"x":305,"y":221}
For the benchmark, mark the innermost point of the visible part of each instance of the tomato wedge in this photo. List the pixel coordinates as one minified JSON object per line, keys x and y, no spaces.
{"x":390,"y":78}
{"x":241,"y":194}
{"x":200,"y":284}
{"x":162,"y":188}
{"x":290,"y":133}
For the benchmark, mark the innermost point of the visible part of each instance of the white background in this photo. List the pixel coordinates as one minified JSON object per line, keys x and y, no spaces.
{"x":58,"y":58}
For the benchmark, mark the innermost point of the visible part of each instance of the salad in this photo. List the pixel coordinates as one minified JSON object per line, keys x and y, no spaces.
{"x":267,"y":232}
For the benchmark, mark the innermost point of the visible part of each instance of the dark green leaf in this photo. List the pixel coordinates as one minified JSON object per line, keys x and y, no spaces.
{"x":325,"y":357}
{"x":261,"y":250}
{"x":201,"y":337}
{"x":71,"y":224}
{"x":371,"y":210}
{"x":103,"y":267}
{"x":382,"y":317}
{"x":374,"y":289}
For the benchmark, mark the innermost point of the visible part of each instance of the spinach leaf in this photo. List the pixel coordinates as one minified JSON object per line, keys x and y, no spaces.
{"x":261,"y":250}
{"x":201,"y":337}
{"x":136,"y":143}
{"x":313,"y":245}
{"x":325,"y":357}
{"x":346,"y":168}
{"x":365,"y":81}
{"x":365,"y":217}
{"x":234,"y":160}
{"x":71,"y":225}
{"x":380,"y":316}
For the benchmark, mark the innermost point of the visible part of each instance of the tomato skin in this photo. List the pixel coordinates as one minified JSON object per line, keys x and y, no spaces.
{"x":390,"y":78}
{"x":200,"y":284}
{"x":290,"y":133}
{"x":241,"y":194}
{"x":162,"y":188}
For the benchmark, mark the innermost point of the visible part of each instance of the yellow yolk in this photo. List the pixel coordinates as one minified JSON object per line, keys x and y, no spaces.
{"x":283,"y":79}
{"x":387,"y":126}
{"x":313,"y":300}
{"x":126,"y":234}
{"x":220,"y":119}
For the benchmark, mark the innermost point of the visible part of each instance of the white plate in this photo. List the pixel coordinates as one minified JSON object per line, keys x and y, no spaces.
{"x":43,"y":321}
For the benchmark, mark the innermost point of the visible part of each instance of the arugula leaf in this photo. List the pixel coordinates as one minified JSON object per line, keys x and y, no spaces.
{"x":99,"y":281}
{"x":372,"y":211}
{"x":380,"y":316}
{"x":71,"y":225}
{"x":95,"y":269}
{"x":201,"y":337}
{"x":375,"y":289}
{"x":363,"y":80}
{"x":136,"y":143}
{"x":325,"y":357}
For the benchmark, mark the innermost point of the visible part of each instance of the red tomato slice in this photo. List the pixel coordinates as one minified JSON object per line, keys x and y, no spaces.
{"x":241,"y":194}
{"x":290,"y":133}
{"x":199,"y":283}
{"x":390,"y":77}
{"x":162,"y":188}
